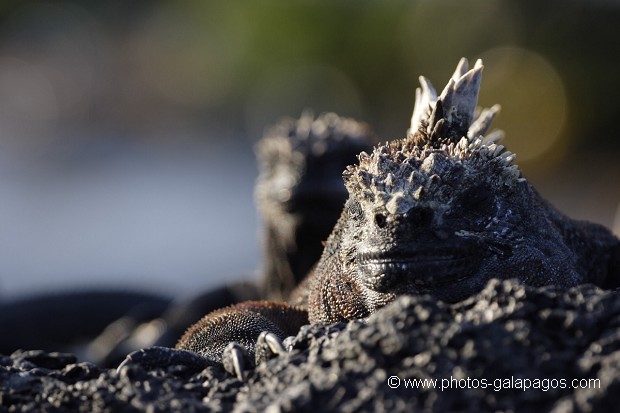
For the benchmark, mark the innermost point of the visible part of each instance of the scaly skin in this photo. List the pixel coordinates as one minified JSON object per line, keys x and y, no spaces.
{"x":440,"y":212}
{"x":244,"y":322}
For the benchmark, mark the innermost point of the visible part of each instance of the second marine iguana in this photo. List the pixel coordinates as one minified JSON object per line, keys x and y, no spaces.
{"x":299,"y":192}
{"x":440,"y":212}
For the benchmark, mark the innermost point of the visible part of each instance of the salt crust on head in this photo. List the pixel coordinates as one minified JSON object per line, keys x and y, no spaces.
{"x":447,"y":140}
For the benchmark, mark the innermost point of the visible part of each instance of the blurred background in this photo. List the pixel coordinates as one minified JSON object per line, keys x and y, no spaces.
{"x":127,"y":128}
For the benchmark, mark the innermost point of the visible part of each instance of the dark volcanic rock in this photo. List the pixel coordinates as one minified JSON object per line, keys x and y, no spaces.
{"x":504,"y":338}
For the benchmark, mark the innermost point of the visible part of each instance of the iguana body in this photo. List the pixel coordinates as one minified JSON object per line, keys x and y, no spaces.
{"x":440,"y":212}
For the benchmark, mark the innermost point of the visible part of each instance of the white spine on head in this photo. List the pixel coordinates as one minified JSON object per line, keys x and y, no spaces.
{"x":425,"y":99}
{"x":458,"y":102}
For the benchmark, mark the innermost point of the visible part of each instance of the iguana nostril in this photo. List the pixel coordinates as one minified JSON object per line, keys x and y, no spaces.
{"x":380,"y":220}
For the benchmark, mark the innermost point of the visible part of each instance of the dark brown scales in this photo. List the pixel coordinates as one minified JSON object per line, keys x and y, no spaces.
{"x":241,"y":323}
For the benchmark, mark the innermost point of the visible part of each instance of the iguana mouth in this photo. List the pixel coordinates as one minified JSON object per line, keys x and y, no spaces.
{"x":424,"y":268}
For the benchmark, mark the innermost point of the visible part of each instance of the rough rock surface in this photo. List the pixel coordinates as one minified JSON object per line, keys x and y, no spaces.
{"x":507,"y":332}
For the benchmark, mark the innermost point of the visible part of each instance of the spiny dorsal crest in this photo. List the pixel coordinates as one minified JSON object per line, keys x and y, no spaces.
{"x":296,"y":140}
{"x":289,"y":147}
{"x":453,"y":114}
{"x":446,"y":142}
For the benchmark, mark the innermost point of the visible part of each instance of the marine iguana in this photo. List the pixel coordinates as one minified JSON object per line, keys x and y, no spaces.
{"x":445,"y":210}
{"x":299,"y":192}
{"x":440,"y":212}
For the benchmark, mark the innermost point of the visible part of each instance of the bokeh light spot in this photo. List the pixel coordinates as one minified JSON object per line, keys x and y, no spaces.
{"x":533,"y":100}
{"x":435,"y":34}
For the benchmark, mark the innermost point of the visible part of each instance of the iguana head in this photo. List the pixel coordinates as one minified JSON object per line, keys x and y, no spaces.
{"x":301,"y":161}
{"x":444,"y":209}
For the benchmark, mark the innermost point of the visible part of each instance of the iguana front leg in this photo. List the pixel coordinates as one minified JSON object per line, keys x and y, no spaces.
{"x":237,"y":336}
{"x":241,"y":323}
